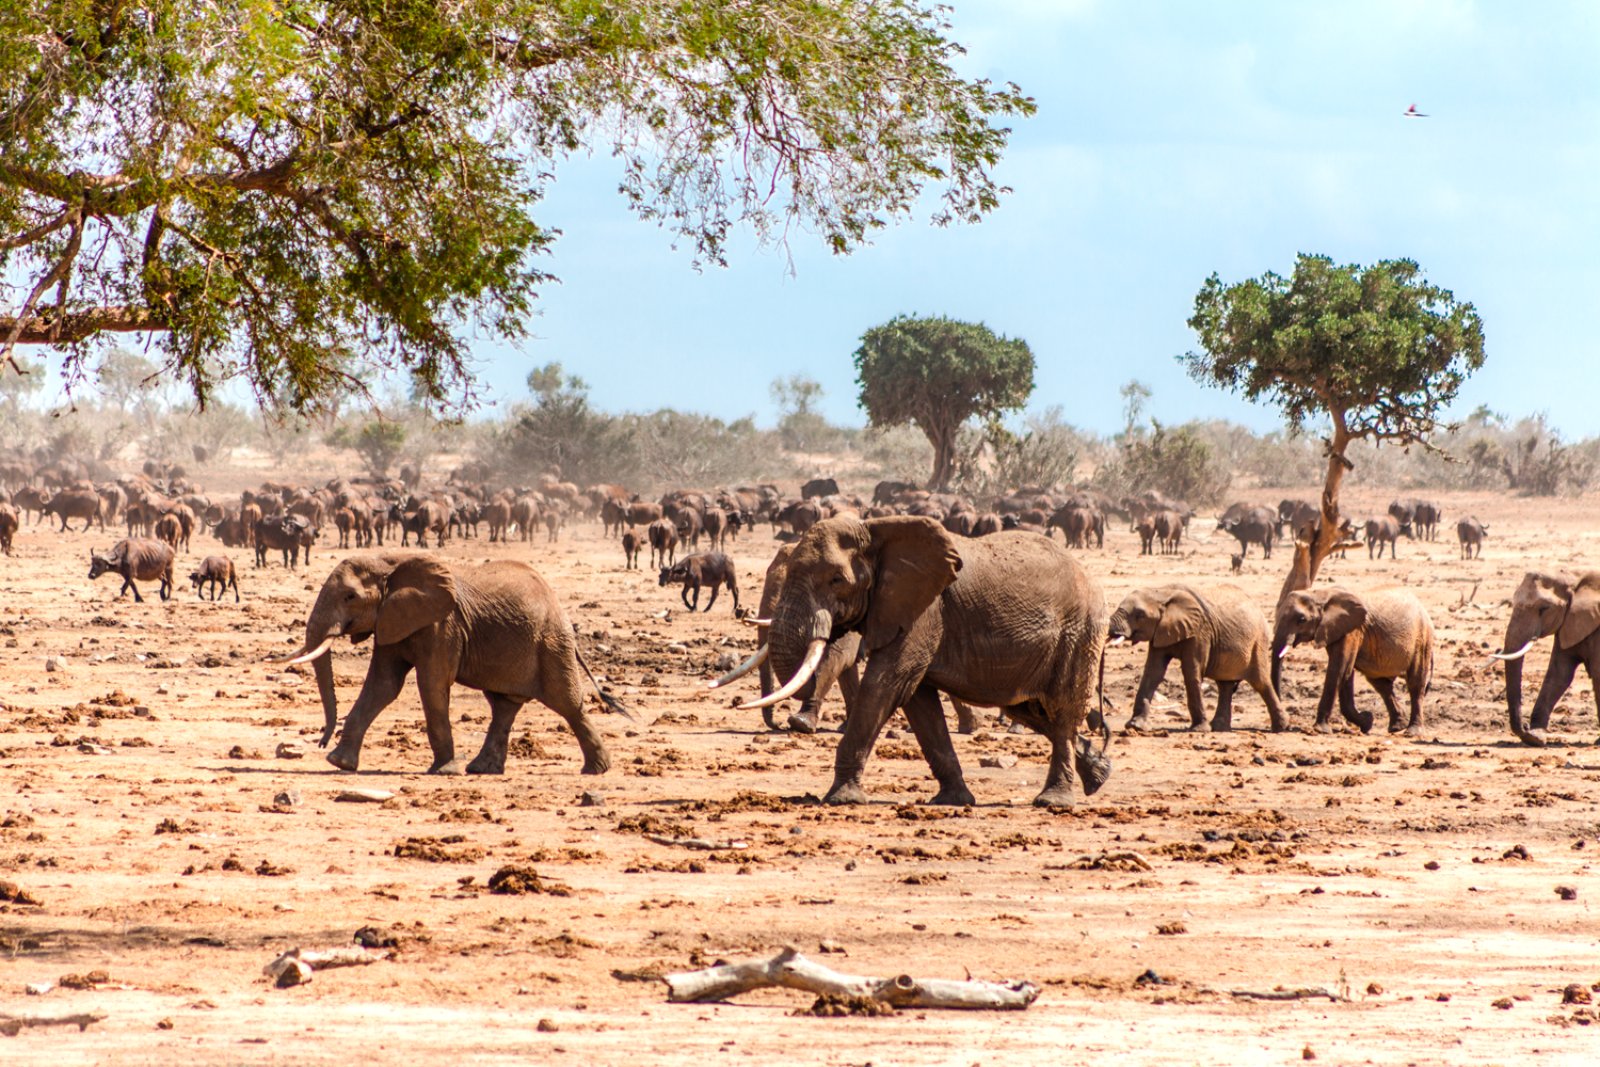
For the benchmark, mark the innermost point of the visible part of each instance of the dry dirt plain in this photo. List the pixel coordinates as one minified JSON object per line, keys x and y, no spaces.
{"x":1416,"y":880}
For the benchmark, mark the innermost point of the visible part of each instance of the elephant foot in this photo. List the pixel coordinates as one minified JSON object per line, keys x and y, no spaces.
{"x":447,"y":767}
{"x":956,"y":796}
{"x":1054,"y":797}
{"x":1325,"y":727}
{"x":599,"y":763}
{"x":1137,"y":725}
{"x":1280,"y":725}
{"x":345,"y":761}
{"x":846,"y":793}
{"x":487,"y":765}
{"x":1201,"y":727}
{"x":1414,"y":730}
{"x":1222,"y":726}
{"x":1532,"y":738}
{"x":803,"y":723}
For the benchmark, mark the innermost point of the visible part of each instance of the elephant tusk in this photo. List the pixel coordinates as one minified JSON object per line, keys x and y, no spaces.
{"x":1518,"y":654}
{"x":757,"y":658}
{"x":752,"y":621}
{"x":1283,"y":652}
{"x":1115,"y":641}
{"x":801,"y":677}
{"x":307,"y":657}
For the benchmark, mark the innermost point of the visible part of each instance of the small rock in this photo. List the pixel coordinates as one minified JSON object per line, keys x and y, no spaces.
{"x":286,"y":799}
{"x":591,"y":800}
{"x":1503,"y":1003}
{"x":164,"y":1024}
{"x":290,"y":750}
{"x":1308,"y":1053}
{"x":1003,"y":760}
{"x":547,"y":1026}
{"x":53,"y":664}
{"x":292,"y":972}
{"x":39,"y":989}
{"x":1567,"y":892}
{"x":89,"y":748}
{"x":726,"y":662}
{"x":831,"y":947}
{"x":1374,"y":989}
{"x":677,"y":647}
{"x":1576,"y":993}
{"x":1431,"y":865}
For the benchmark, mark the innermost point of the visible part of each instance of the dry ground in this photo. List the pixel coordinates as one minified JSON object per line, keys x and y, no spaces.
{"x":1415,"y":879}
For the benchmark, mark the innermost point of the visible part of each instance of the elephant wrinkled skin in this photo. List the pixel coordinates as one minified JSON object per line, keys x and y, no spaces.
{"x":1568,"y":606}
{"x":497,"y":628}
{"x":1009,"y":621}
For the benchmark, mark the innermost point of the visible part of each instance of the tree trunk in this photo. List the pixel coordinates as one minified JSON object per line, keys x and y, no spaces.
{"x":943,"y":440}
{"x":1308,"y":557}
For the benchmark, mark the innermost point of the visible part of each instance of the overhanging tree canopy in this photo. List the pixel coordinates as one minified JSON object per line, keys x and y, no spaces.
{"x":286,"y":189}
{"x":1377,"y":350}
{"x":938,"y":373}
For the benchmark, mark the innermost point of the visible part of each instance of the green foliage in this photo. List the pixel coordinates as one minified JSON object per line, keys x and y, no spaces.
{"x":296,"y":191}
{"x":937,"y":373}
{"x":1178,"y":462}
{"x":1377,"y":349}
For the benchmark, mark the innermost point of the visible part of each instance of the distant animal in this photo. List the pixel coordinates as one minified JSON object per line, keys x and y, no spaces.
{"x":819,"y":487}
{"x":136,"y":557}
{"x":1426,"y":520}
{"x":1237,"y":562}
{"x":1250,"y":526}
{"x":216,"y":571}
{"x":290,"y":534}
{"x":1169,"y":530}
{"x":663,"y":542}
{"x":1412,"y":113}
{"x":168,"y":529}
{"x":8,"y":527}
{"x":1385,"y":530}
{"x":630,"y":549}
{"x":712,"y":569}
{"x":82,"y":504}
{"x":1470,"y":532}
{"x":1145,"y":527}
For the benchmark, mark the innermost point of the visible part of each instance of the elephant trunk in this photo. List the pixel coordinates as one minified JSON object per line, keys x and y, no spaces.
{"x":797,"y":631}
{"x":1281,"y":638}
{"x":322,"y":628}
{"x":1519,"y":639}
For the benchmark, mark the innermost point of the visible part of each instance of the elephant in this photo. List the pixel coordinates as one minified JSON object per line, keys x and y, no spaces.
{"x":1568,"y":606}
{"x":1011,"y":621}
{"x":1385,"y":635}
{"x":1220,"y":634}
{"x":497,"y":627}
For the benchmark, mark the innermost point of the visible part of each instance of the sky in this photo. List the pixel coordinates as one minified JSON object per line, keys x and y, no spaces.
{"x":1173,"y":140}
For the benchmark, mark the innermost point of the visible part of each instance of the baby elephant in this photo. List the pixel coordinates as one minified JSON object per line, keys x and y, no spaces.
{"x":1385,"y":635}
{"x":1221,"y":635}
{"x":703,"y":568}
{"x":218,"y":572}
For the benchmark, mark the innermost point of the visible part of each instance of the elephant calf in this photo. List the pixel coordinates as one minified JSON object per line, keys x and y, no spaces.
{"x":497,"y":628}
{"x":1221,"y":635}
{"x":1385,"y":635}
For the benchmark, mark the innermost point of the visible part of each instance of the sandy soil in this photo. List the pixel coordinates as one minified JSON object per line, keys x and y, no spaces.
{"x":144,"y":811}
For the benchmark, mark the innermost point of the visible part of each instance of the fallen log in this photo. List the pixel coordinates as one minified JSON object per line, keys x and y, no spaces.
{"x":12,"y":1025}
{"x":789,"y":969}
{"x":1285,"y":994}
{"x":295,"y":966}
{"x":697,"y":844}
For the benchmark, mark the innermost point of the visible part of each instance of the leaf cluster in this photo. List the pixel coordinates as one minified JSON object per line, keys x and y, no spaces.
{"x":1378,"y":349}
{"x":939,"y":372}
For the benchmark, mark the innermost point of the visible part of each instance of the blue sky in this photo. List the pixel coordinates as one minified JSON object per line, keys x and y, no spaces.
{"x":1173,"y":139}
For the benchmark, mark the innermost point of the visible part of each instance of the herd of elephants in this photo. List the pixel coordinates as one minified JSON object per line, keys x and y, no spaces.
{"x":897,"y":598}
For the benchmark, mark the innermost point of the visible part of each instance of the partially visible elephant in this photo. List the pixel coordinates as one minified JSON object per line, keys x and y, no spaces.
{"x":1220,"y":634}
{"x":1010,"y":621}
{"x":497,"y":628}
{"x":1384,"y":634}
{"x":1568,"y":606}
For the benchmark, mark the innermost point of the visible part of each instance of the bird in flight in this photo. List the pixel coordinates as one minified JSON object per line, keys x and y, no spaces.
{"x":1412,"y":113}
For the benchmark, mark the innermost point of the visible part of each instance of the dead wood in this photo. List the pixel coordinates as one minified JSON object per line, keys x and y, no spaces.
{"x":791,"y":970}
{"x":1285,"y":994}
{"x":699,"y":844}
{"x":12,"y":1025}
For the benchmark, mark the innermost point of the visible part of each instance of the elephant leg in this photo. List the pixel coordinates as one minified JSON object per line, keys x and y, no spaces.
{"x":1155,"y":669}
{"x":1222,"y":721}
{"x":1593,"y":667}
{"x":1385,"y":688}
{"x":386,"y":675}
{"x":966,"y":718}
{"x":565,"y":697}
{"x":1189,"y":663}
{"x":433,"y":685}
{"x":491,"y":758}
{"x":882,"y":691}
{"x":926,"y":716}
{"x":1362,"y":720}
{"x":1557,"y":680}
{"x":1330,"y":691}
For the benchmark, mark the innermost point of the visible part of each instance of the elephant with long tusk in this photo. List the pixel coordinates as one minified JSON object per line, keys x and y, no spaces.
{"x":497,"y":628}
{"x":1010,"y":620}
{"x":1568,"y":607}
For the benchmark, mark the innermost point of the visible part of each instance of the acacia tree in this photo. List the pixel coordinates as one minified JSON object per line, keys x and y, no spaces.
{"x":1378,"y":351}
{"x":284,"y":189}
{"x":937,"y":374}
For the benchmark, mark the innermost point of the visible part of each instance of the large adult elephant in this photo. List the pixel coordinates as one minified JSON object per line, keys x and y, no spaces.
{"x":1220,"y":634}
{"x":1568,"y":606}
{"x":497,"y":628}
{"x":1009,"y":621}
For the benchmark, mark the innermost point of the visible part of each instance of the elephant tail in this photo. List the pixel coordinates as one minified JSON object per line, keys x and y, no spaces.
{"x":609,"y":702}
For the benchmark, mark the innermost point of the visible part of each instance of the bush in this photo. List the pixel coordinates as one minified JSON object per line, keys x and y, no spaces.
{"x":1176,"y":462}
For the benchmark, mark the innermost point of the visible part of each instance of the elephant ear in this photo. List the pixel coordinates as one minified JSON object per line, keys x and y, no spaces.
{"x":419,"y":592}
{"x":1583,"y":612}
{"x":1181,"y":619}
{"x":1341,"y":613}
{"x":913,"y":560}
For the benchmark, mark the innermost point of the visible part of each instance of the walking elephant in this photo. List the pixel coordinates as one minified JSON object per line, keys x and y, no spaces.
{"x":1009,"y":621}
{"x":1385,"y":635}
{"x":1568,"y":606}
{"x":1220,"y":634}
{"x":496,"y":627}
